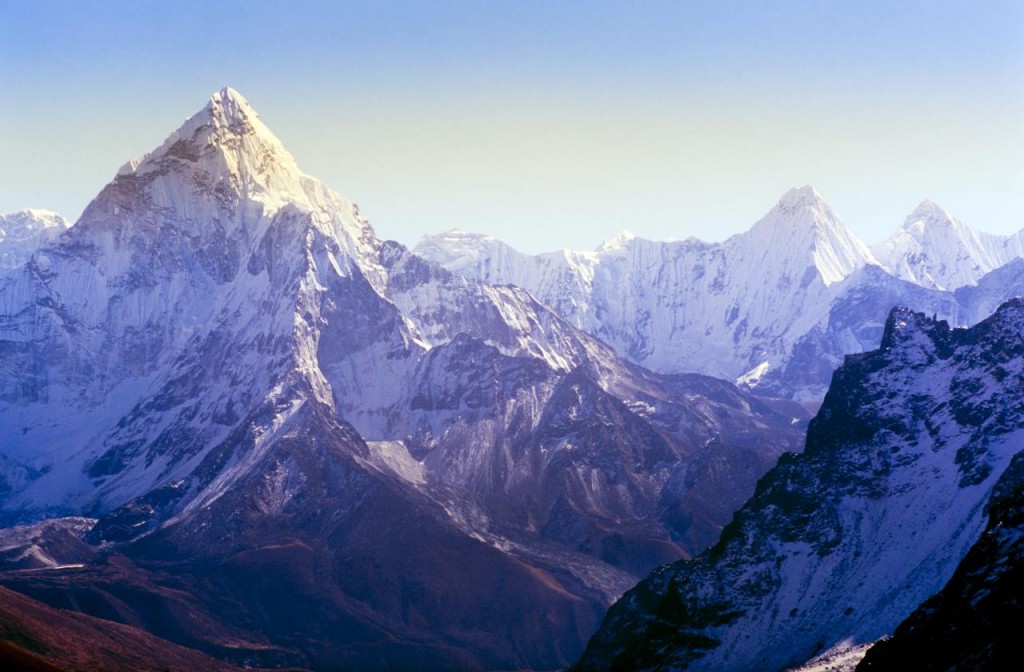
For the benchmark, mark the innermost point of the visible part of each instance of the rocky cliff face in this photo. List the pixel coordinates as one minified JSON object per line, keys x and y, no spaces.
{"x":842,"y":542}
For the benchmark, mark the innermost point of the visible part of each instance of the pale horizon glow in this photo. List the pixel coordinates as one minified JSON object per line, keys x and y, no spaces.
{"x":546,"y":127}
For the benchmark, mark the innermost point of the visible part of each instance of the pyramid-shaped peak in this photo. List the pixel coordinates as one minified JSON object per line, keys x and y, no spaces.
{"x":934,"y":249}
{"x":802,"y":229}
{"x":228,"y":110}
{"x":220,"y":181}
{"x":930,"y":212}
{"x":929,"y":220}
{"x":224,"y":137}
{"x":229,"y":106}
{"x":927,"y":206}
{"x":800,"y":197}
{"x":802,"y":210}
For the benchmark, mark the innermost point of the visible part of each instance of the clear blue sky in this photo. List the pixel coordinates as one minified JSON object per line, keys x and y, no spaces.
{"x":548,"y":124}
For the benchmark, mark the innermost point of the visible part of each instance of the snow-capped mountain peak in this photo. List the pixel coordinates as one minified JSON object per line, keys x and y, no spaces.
{"x":802,"y":230}
{"x":801,"y":197}
{"x":929,"y":223}
{"x":220,"y":182}
{"x":929,"y":211}
{"x":231,"y":104}
{"x":22,"y":224}
{"x":934,"y":249}
{"x":216,"y":246}
{"x":617,"y":242}
{"x":226,"y":145}
{"x":25,"y":231}
{"x":455,"y":248}
{"x":730,"y":309}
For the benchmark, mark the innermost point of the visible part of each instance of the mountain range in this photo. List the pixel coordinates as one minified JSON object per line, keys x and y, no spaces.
{"x":236,"y":383}
{"x":235,"y":418}
{"x":773,"y":309}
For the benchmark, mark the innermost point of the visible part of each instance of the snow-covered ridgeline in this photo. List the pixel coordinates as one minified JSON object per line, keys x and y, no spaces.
{"x":766,"y":308}
{"x":934,"y":249}
{"x":24,"y":232}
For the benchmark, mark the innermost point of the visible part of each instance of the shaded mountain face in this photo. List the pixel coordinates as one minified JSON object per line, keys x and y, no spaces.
{"x":314,"y":558}
{"x":303,"y":445}
{"x":973,"y":623}
{"x":769,"y":308}
{"x":842,"y":542}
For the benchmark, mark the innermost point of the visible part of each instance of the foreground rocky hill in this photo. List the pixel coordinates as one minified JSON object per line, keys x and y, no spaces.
{"x":38,"y":638}
{"x":840,"y":544}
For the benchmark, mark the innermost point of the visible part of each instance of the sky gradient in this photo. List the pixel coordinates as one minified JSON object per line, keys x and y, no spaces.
{"x":547,"y":124}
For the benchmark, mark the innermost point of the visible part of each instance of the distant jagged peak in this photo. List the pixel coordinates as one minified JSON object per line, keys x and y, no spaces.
{"x":929,"y":219}
{"x":25,"y":231}
{"x":929,"y":211}
{"x":29,"y":220}
{"x":617,"y":242}
{"x":802,"y":207}
{"x":463,"y":251}
{"x":802,"y":226}
{"x":456,"y":235}
{"x":457,"y":242}
{"x":805,"y":196}
{"x":929,"y":222}
{"x":935,"y":249}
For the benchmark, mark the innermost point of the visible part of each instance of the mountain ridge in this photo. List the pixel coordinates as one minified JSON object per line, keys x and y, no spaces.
{"x":934,"y":249}
{"x":773,"y":309}
{"x":843,"y":541}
